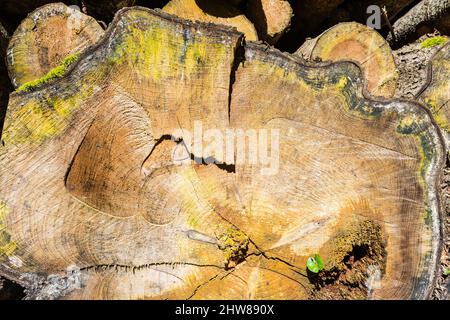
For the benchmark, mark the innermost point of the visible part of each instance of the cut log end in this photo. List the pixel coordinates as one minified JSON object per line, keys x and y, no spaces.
{"x":101,"y":207}
{"x":356,"y":42}
{"x":271,"y":18}
{"x":45,"y":38}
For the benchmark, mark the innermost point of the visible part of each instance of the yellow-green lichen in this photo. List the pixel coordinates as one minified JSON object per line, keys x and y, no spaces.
{"x":340,"y":85}
{"x":438,"y":113}
{"x":432,"y":42}
{"x":159,"y":53}
{"x":7,"y":247}
{"x":365,"y":236}
{"x":234,"y":243}
{"x":38,"y":120}
{"x":414,"y":125}
{"x":54,"y":73}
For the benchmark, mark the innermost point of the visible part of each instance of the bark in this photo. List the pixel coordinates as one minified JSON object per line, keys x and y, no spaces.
{"x":413,"y":61}
{"x":5,"y":84}
{"x":271,"y":18}
{"x":356,"y":42}
{"x":435,"y":93}
{"x":91,"y":197}
{"x":213,"y":11}
{"x":45,"y":38}
{"x":424,"y":11}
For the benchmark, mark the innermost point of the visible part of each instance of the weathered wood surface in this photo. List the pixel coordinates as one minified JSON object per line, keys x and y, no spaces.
{"x":213,"y":11}
{"x":270,"y":17}
{"x":91,"y":205}
{"x":48,"y":35}
{"x":435,"y":93}
{"x":356,"y":42}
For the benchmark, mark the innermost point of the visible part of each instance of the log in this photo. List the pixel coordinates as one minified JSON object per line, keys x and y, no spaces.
{"x":106,"y":9}
{"x":359,"y":43}
{"x":424,"y":11}
{"x":48,"y":35}
{"x":412,"y":61}
{"x":435,"y":93}
{"x":213,"y":11}
{"x":94,"y":204}
{"x":271,"y":18}
{"x":307,"y":21}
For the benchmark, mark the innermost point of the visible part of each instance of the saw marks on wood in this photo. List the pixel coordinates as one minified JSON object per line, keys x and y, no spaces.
{"x":87,"y":176}
{"x":356,"y":42}
{"x":48,"y":35}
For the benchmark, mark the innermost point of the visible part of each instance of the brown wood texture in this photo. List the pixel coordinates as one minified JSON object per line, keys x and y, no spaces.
{"x":271,"y":18}
{"x":213,"y":11}
{"x":45,"y":38}
{"x":356,"y":42}
{"x":435,"y":93}
{"x":91,"y":199}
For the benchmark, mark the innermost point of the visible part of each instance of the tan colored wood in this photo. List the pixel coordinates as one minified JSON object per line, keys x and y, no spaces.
{"x":91,"y":199}
{"x":271,"y":18}
{"x":436,"y":93}
{"x":214,"y":11}
{"x":48,"y":35}
{"x":359,"y":43}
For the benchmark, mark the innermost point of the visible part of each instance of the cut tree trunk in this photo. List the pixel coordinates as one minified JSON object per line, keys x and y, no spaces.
{"x":45,"y":38}
{"x":270,"y":17}
{"x":214,"y":11}
{"x":356,"y":42}
{"x":96,"y":204}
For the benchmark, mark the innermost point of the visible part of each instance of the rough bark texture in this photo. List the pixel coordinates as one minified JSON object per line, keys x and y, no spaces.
{"x":271,"y":18}
{"x":412,"y":62}
{"x":356,"y":42}
{"x":91,"y":205}
{"x":47,"y":36}
{"x":424,"y":11}
{"x":214,"y":11}
{"x":5,"y":84}
{"x":436,"y":92}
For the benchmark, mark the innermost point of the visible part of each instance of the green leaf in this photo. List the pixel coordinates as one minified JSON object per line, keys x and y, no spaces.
{"x":319,"y":261}
{"x":446,"y":271}
{"x":312,"y":265}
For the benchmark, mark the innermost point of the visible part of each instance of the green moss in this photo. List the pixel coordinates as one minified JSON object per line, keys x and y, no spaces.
{"x":432,"y":42}
{"x":54,"y":73}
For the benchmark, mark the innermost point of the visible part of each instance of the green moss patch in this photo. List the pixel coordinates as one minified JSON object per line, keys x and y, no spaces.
{"x":432,"y":42}
{"x":54,"y":73}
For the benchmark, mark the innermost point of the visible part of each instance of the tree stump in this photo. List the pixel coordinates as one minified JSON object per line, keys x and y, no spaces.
{"x":48,"y":35}
{"x":94,"y":205}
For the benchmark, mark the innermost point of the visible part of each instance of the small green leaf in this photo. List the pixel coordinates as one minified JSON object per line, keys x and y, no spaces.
{"x":312,"y":265}
{"x":319,"y":262}
{"x":446,"y":271}
{"x":315,"y":264}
